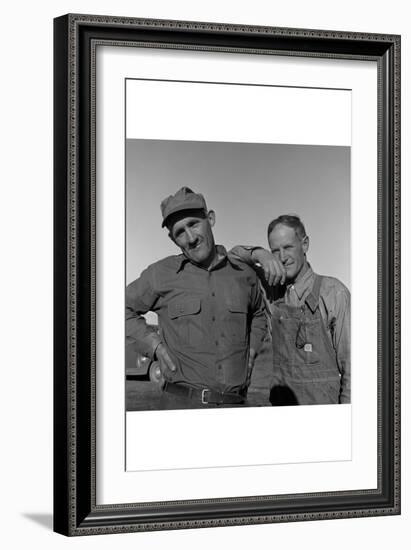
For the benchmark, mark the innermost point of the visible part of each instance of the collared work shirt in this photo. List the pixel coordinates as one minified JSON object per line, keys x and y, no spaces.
{"x":208,"y":318}
{"x":334,"y":306}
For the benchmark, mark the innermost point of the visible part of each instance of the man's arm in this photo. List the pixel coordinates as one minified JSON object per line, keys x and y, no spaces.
{"x":341,"y":339}
{"x":258,"y":257}
{"x":141,"y":297}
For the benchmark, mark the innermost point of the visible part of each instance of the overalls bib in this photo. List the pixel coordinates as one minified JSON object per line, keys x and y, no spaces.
{"x":305,"y":366}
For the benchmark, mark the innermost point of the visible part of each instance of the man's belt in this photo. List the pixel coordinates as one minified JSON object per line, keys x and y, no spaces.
{"x":204,"y":396}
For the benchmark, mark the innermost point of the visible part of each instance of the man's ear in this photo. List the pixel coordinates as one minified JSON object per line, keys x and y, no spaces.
{"x":211,"y":217}
{"x":306,"y":244}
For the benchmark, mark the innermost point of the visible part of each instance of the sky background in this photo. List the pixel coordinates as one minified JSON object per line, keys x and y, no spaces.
{"x":247,"y":185}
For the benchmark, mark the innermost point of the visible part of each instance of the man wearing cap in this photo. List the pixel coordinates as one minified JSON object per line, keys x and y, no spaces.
{"x":210,"y":310}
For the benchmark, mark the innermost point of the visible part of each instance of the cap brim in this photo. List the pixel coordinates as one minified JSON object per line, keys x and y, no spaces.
{"x":182,"y":209}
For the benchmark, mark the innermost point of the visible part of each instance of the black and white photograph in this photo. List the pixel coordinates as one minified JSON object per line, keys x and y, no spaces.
{"x":242,"y":252}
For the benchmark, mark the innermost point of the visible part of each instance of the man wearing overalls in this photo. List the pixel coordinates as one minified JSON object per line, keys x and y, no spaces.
{"x":310,"y":319}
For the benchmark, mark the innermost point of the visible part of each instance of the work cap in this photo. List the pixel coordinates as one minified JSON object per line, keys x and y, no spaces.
{"x":184,"y":199}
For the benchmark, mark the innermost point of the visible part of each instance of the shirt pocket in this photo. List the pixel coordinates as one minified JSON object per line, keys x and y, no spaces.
{"x":236,"y":321}
{"x":185,"y":320}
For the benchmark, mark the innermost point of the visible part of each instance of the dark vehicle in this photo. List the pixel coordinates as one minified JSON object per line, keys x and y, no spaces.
{"x":139,"y":365}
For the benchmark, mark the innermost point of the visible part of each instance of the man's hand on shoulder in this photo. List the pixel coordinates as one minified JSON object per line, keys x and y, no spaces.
{"x":274,"y":271}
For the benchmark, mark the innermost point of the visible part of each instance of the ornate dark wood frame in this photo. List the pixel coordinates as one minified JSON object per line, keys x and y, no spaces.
{"x":75,"y":40}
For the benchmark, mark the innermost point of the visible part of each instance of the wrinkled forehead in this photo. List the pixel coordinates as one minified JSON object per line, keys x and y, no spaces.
{"x":282,"y":235}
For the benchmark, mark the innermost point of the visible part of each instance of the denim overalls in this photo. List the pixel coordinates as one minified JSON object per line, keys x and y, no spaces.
{"x":305,"y":366}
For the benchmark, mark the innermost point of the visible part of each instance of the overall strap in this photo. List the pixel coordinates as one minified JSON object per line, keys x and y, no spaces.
{"x":313,"y":298}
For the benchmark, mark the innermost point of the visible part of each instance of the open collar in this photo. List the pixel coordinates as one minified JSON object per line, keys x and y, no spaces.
{"x":222,"y":258}
{"x":302,"y":284}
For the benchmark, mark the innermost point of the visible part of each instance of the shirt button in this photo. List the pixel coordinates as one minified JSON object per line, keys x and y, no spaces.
{"x":213,"y":318}
{"x":216,"y":342}
{"x":219,"y":367}
{"x":213,"y":294}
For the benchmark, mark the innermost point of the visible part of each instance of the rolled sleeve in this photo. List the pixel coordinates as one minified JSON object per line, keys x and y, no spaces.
{"x":243,"y":253}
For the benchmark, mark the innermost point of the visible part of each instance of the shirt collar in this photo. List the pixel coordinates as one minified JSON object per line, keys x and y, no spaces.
{"x":222,"y":258}
{"x":304,"y":282}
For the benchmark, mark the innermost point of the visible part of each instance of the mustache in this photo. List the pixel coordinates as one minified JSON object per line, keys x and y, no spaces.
{"x":194,"y":244}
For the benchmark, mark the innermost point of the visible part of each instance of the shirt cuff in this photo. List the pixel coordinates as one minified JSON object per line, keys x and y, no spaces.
{"x":245,"y":252}
{"x":251,"y":250}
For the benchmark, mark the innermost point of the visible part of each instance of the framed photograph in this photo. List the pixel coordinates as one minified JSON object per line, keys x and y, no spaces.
{"x":227,"y":254}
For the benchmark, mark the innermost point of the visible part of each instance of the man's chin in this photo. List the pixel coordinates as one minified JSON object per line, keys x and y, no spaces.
{"x":202,"y":256}
{"x":289,"y":276}
{"x":196,"y":258}
{"x":200,"y":259}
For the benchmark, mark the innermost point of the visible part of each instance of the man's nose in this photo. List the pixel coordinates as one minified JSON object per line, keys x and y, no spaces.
{"x":191,"y":237}
{"x":282,"y":255}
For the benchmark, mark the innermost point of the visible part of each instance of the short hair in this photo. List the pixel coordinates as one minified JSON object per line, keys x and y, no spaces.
{"x":290,"y":220}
